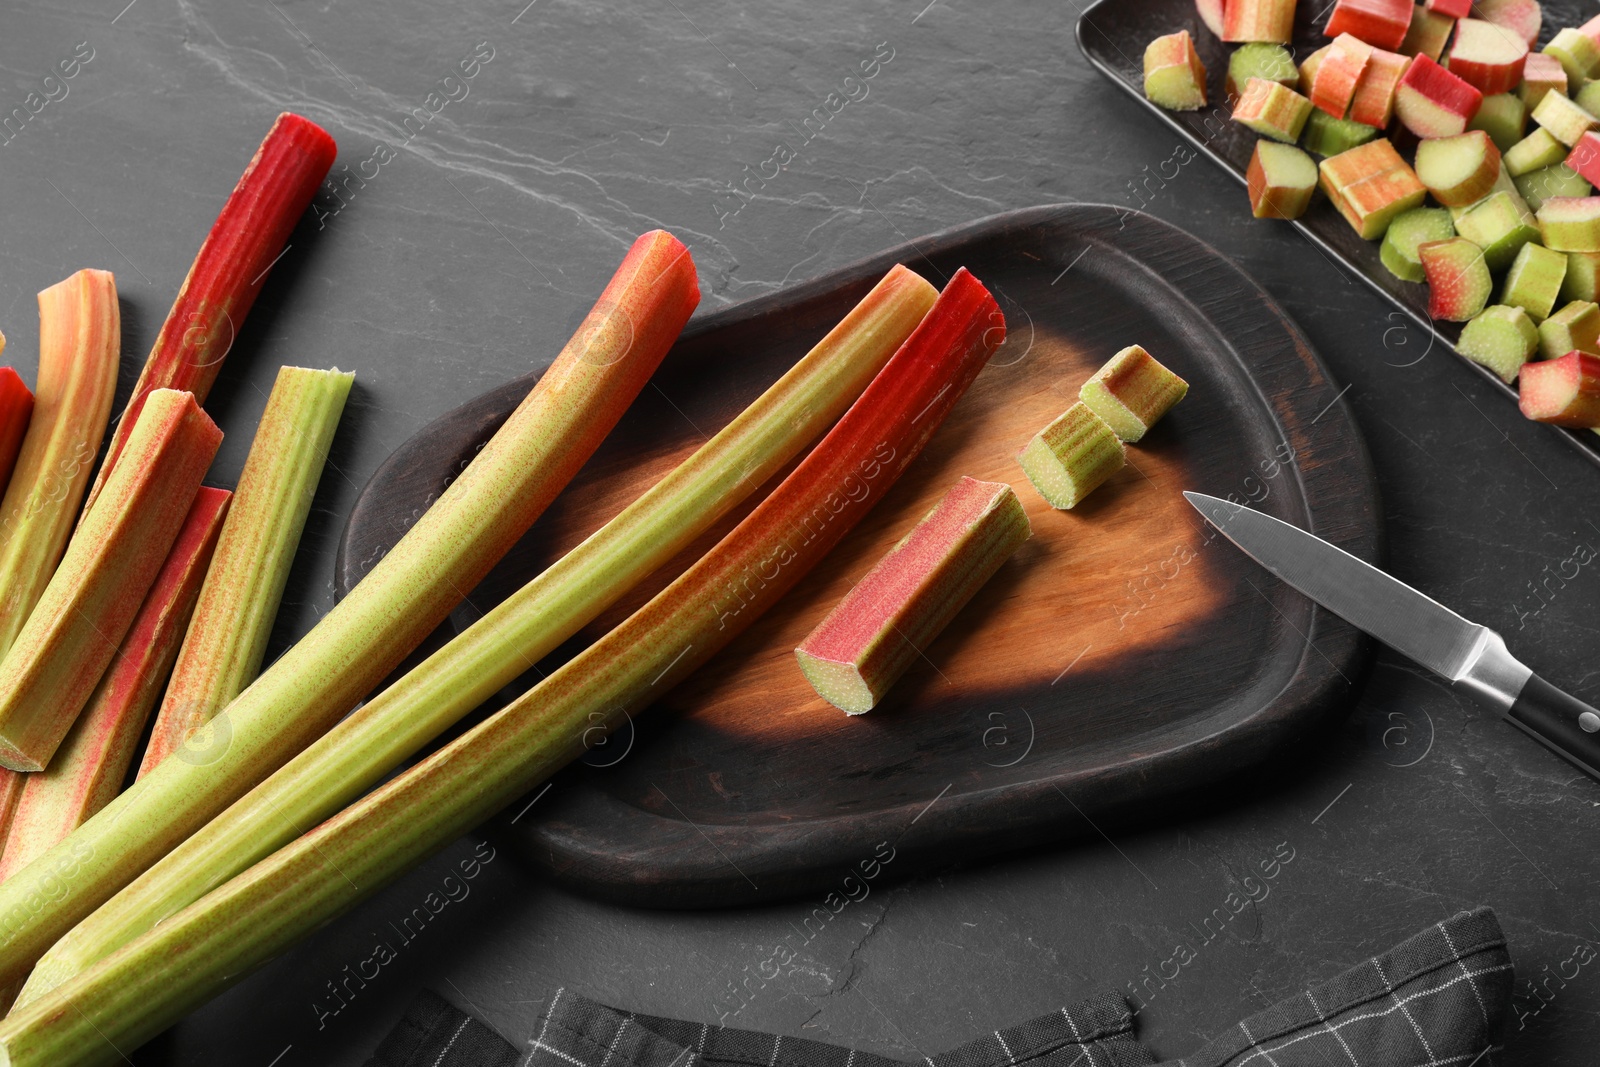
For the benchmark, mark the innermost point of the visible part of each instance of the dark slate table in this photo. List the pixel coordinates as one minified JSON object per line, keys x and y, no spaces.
{"x":457,"y":257}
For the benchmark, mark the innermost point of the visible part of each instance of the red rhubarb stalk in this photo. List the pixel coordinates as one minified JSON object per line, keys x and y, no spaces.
{"x":16,"y":406}
{"x":407,"y":593}
{"x":79,"y":341}
{"x":230,"y":268}
{"x":142,"y":988}
{"x":82,"y":615}
{"x":88,"y":769}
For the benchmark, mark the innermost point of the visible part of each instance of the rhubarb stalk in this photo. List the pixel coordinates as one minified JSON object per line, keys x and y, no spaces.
{"x":227,"y":635}
{"x":79,"y":341}
{"x":113,"y":559}
{"x":16,"y":406}
{"x":356,"y":755}
{"x":405,"y":595}
{"x":135,"y":993}
{"x":88,"y":769}
{"x":230,"y":268}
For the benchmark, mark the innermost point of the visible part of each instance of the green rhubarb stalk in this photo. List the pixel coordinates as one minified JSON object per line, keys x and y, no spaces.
{"x":227,"y":635}
{"x":230,"y":268}
{"x":110,"y":564}
{"x":356,"y":755}
{"x":410,"y":591}
{"x":145,"y":986}
{"x":80,"y":337}
{"x":89,"y":767}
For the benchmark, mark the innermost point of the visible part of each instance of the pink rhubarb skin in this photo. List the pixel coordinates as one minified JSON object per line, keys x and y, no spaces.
{"x":890,"y":616}
{"x":230,"y":268}
{"x":1562,"y":392}
{"x":83,"y":614}
{"x":407,"y":593}
{"x":192,"y":956}
{"x":16,"y":406}
{"x":89,"y":768}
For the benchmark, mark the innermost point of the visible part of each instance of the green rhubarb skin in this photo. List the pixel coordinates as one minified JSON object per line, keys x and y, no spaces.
{"x":1409,"y":230}
{"x":89,"y":767}
{"x":1534,"y":152}
{"x":1501,"y":338}
{"x":151,"y":982}
{"x":70,"y":638}
{"x":892,"y":614}
{"x":1534,"y":281}
{"x":1575,"y":327}
{"x":1071,"y":457}
{"x":1566,"y":121}
{"x":1327,"y":136}
{"x":405,"y":595}
{"x":1500,"y":227}
{"x":494,"y":651}
{"x":1583,"y":277}
{"x":1132,"y":391}
{"x":1503,"y":117}
{"x":1546,"y":183}
{"x":1571,"y":224}
{"x":227,"y":635}
{"x":80,"y":338}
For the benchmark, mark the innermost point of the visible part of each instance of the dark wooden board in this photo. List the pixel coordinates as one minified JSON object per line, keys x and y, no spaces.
{"x":1121,"y":665}
{"x":1113,"y":35}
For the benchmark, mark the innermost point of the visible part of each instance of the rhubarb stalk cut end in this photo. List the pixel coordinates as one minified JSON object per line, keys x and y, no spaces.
{"x":1132,"y":391}
{"x":1071,"y":457}
{"x":888,"y":619}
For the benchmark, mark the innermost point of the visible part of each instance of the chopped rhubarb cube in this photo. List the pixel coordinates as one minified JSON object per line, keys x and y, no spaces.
{"x":1562,"y":392}
{"x":1458,"y":279}
{"x":1281,"y":179}
{"x":1522,"y":17}
{"x":1585,"y":157}
{"x":1132,"y":391}
{"x":1071,"y":457}
{"x":1373,"y":103}
{"x":1339,"y":73}
{"x":1174,"y":77}
{"x":1578,"y":54}
{"x":1541,"y":74}
{"x":1576,"y":326}
{"x":1534,"y":281}
{"x":1459,"y":170}
{"x":1571,"y":223}
{"x":1432,"y":102}
{"x":1272,"y":110}
{"x":1258,"y":20}
{"x":1488,"y":57}
{"x":1583,"y":277}
{"x":1370,"y":185}
{"x":1270,"y":62}
{"x":1380,"y":23}
{"x":1501,"y":338}
{"x":1428,"y":33}
{"x":1566,"y":121}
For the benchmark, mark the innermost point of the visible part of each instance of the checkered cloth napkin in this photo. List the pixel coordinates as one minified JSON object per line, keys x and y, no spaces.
{"x":1439,"y":998}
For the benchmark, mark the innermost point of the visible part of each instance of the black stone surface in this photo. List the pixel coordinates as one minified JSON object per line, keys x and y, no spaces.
{"x":483,"y":240}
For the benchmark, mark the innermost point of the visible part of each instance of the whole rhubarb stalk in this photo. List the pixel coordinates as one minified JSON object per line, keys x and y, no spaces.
{"x":230,"y":268}
{"x":227,"y":636}
{"x":149,"y":983}
{"x":355,"y":755}
{"x":405,"y":595}
{"x":89,"y":767}
{"x":79,"y":340}
{"x":114,"y":557}
{"x":16,"y":406}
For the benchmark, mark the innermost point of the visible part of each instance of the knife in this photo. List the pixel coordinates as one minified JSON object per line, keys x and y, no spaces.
{"x":1472,"y":657}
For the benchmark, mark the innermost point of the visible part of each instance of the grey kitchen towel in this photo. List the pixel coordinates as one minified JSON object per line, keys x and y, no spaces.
{"x":1441,"y":997}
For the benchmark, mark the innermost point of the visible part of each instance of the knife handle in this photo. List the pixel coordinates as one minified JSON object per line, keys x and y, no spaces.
{"x":1561,"y":722}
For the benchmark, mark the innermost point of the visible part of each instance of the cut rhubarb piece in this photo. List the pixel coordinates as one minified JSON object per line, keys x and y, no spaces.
{"x":1211,"y":12}
{"x":1543,"y":74}
{"x":1325,"y":135}
{"x":1271,"y":21}
{"x":1269,"y":62}
{"x":1308,"y":68}
{"x":1131,"y":392}
{"x":1504,"y":183}
{"x":148,"y":984}
{"x":1432,"y":102}
{"x":1071,"y":457}
{"x":1488,"y":57}
{"x":1272,"y":110}
{"x":1522,"y":17}
{"x":1591,"y":30}
{"x":227,"y":637}
{"x":1583,"y":277}
{"x":886,"y":620}
{"x":1503,"y":117}
{"x":1373,"y":104}
{"x":89,"y":768}
{"x":1380,"y":23}
{"x":1585,"y":157}
{"x":1575,"y":327}
{"x":1566,"y":121}
{"x":1588,"y":98}
{"x":1427,"y":34}
{"x":16,"y":407}
{"x":1536,"y":151}
{"x":1334,"y":85}
{"x":1501,"y":338}
{"x":229,"y":270}
{"x":1370,"y":185}
{"x":1547,"y":183}
{"x":1578,"y":55}
{"x":1280,"y":179}
{"x":1571,"y":223}
{"x":1562,"y":392}
{"x":1534,"y":281}
{"x":1458,"y":170}
{"x":1410,"y":230}
{"x":1174,"y":77}
{"x":1455,"y":9}
{"x":83,"y":613}
{"x":1500,"y":226}
{"x":1458,"y":279}
{"x":79,"y":341}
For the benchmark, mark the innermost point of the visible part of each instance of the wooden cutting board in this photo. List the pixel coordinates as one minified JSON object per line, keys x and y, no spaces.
{"x":1123,"y":663}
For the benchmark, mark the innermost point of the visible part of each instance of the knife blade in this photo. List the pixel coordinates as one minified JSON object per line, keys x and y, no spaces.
{"x":1470,"y":656}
